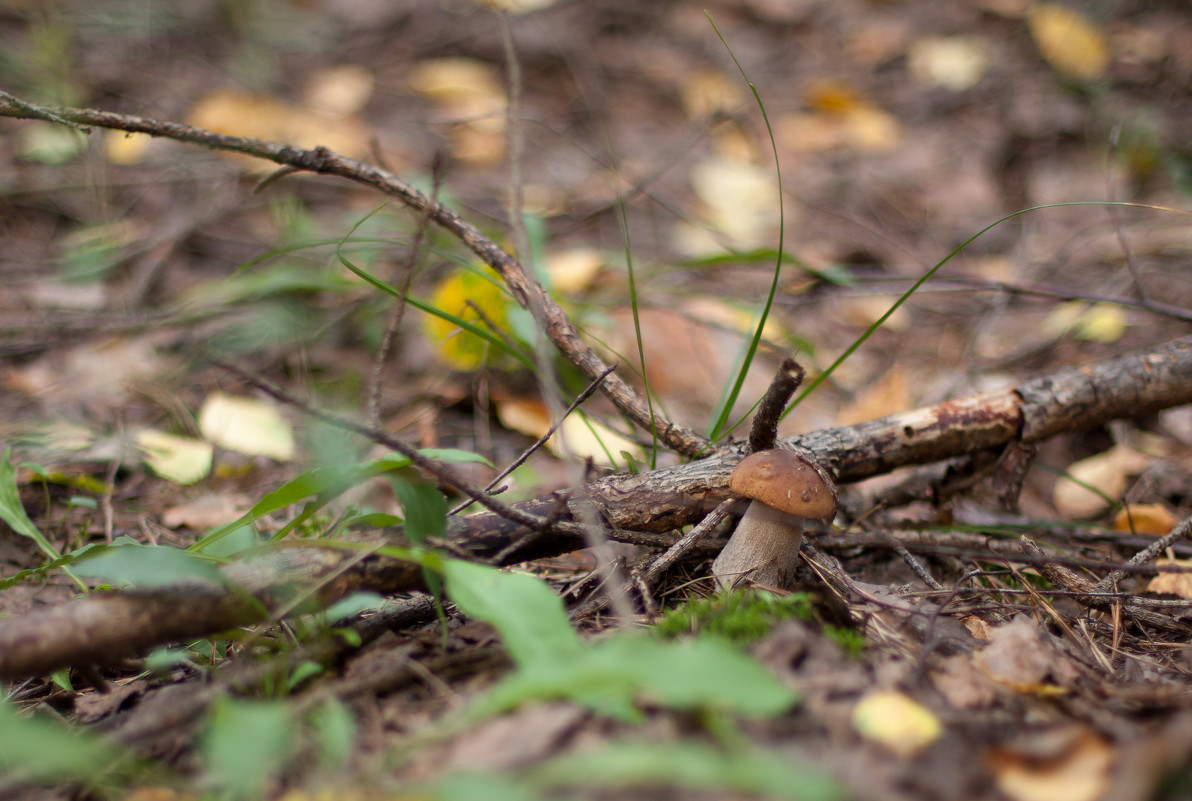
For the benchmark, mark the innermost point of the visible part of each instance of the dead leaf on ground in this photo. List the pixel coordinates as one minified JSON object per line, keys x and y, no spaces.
{"x":897,"y":721}
{"x":1105,"y":473}
{"x":890,"y":393}
{"x":1144,"y":518}
{"x":1069,"y":41}
{"x":1179,"y":584}
{"x":1019,"y":657}
{"x":1070,"y":764}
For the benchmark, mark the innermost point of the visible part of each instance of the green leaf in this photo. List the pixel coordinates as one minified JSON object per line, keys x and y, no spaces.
{"x":425,"y":509}
{"x":13,"y":513}
{"x":246,"y":743}
{"x":687,"y":765}
{"x":334,"y":728}
{"x":147,"y":565}
{"x":609,"y":676}
{"x":38,"y":749}
{"x":528,"y":615}
{"x":477,"y":787}
{"x":354,"y":604}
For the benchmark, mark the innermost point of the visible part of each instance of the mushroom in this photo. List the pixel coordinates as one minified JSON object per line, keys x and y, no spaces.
{"x":784,"y":488}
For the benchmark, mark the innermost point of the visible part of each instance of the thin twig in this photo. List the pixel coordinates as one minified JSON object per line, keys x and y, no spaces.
{"x":526,"y":290}
{"x":437,"y":469}
{"x":1146,"y":554}
{"x":399,"y":303}
{"x":520,"y":460}
{"x":786,"y":381}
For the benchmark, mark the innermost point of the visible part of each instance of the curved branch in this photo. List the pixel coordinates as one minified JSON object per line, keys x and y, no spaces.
{"x":547,"y":313}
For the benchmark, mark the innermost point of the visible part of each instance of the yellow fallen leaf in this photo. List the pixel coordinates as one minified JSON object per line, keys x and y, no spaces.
{"x":1105,"y":472}
{"x":578,"y":438}
{"x":463,"y":86}
{"x":897,"y":721}
{"x":1097,"y":322}
{"x":707,"y":92}
{"x":1069,"y":41}
{"x":835,"y":97}
{"x":121,"y":147}
{"x":247,"y":426}
{"x":1179,"y":584}
{"x":474,"y":296}
{"x":740,"y":199}
{"x":1081,"y":772}
{"x":340,"y":90}
{"x":238,"y":113}
{"x":182,"y":460}
{"x":953,"y":62}
{"x":890,"y":393}
{"x":1146,"y":518}
{"x":572,"y":271}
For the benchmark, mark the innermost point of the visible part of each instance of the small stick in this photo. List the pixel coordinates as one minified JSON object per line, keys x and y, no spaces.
{"x":764,"y":433}
{"x":1145,"y":555}
{"x":520,"y":460}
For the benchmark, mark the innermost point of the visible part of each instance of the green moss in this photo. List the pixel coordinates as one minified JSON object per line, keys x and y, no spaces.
{"x":739,"y":616}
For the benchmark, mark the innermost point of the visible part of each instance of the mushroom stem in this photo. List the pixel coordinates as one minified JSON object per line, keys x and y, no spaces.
{"x":764,"y":549}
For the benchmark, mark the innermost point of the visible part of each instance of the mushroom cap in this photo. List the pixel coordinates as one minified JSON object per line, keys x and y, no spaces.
{"x":786,"y":481}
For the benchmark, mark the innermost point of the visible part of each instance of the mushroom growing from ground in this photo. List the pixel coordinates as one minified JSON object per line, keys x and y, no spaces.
{"x":784,"y":489}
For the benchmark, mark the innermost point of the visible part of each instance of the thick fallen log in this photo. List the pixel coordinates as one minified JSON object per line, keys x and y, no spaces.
{"x":637,"y":508}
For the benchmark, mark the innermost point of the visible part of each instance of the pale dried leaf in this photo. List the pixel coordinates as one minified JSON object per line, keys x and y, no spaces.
{"x":1106,"y":472}
{"x":183,"y":460}
{"x":1144,"y":518}
{"x":1069,"y":41}
{"x":1081,"y":772}
{"x":897,"y":721}
{"x":953,"y":62}
{"x":1179,"y":584}
{"x":247,"y":426}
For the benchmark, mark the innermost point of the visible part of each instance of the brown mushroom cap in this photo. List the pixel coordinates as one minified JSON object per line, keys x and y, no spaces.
{"x":786,"y":481}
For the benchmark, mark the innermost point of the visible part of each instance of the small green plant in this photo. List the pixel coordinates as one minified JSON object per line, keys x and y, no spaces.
{"x":739,"y":616}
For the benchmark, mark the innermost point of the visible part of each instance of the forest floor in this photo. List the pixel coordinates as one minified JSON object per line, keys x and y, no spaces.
{"x":146,"y":286}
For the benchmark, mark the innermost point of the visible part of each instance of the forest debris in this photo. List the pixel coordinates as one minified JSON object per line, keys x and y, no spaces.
{"x":1094,"y":482}
{"x":1179,"y":584}
{"x":1018,"y":656}
{"x":1144,"y":518}
{"x":1071,"y":763}
{"x":897,"y":721}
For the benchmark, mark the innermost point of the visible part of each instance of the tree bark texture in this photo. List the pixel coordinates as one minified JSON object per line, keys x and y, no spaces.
{"x":110,"y":626}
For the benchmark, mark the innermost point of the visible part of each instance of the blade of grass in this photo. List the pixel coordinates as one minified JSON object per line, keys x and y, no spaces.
{"x":939,"y":265}
{"x":725,"y":405}
{"x":494,"y":340}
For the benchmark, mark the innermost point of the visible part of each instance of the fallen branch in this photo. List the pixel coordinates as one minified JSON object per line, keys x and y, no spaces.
{"x":547,"y":313}
{"x":108,"y":627}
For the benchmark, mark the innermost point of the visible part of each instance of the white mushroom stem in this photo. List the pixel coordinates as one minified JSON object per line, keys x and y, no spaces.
{"x":763,"y":550}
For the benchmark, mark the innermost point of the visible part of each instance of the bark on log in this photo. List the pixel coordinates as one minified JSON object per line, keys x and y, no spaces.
{"x":108,"y":627}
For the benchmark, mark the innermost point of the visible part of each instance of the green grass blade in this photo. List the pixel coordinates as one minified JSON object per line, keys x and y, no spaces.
{"x":729,"y":398}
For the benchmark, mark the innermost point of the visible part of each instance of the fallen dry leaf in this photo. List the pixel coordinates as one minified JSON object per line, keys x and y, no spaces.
{"x":1018,"y":657}
{"x":953,"y":62}
{"x":1080,"y":771}
{"x":1105,"y":473}
{"x":1069,"y":41}
{"x":897,"y":721}
{"x":1179,"y":584}
{"x":246,"y":425}
{"x":1144,"y":518}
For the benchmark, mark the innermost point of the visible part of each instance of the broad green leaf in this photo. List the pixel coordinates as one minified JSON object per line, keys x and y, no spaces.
{"x":39,"y":749}
{"x":527,"y":614}
{"x":425,"y":509}
{"x":478,"y":787}
{"x":246,"y":743}
{"x":609,"y":676}
{"x":13,"y":513}
{"x":334,"y":729}
{"x":147,"y":565}
{"x":354,"y":604}
{"x":687,"y":765}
